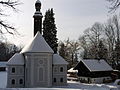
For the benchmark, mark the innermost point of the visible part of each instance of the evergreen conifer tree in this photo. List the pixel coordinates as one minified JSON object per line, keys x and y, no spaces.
{"x":49,"y":30}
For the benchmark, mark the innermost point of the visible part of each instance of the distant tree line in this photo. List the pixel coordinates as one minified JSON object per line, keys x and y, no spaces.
{"x":7,"y":50}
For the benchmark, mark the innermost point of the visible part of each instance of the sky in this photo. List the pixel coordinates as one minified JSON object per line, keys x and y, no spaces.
{"x":72,"y":17}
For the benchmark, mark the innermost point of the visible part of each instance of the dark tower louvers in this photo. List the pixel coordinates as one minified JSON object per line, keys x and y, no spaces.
{"x":37,"y":18}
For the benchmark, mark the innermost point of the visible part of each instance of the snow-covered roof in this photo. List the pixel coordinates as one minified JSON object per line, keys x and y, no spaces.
{"x":38,"y":44}
{"x":95,"y":65}
{"x":57,"y":59}
{"x":72,"y":70}
{"x":16,"y":59}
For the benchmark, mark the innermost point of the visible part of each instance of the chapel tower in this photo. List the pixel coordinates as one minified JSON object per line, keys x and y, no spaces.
{"x":37,"y":18}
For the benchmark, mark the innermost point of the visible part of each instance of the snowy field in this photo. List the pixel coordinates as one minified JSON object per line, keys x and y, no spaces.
{"x":71,"y":86}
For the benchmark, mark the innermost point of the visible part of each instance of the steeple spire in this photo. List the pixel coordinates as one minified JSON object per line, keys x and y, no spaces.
{"x":37,"y":18}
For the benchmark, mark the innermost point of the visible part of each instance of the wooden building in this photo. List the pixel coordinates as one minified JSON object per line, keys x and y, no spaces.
{"x":94,"y":71}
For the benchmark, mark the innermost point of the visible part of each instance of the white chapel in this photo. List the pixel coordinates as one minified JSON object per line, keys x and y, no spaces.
{"x":36,"y":65}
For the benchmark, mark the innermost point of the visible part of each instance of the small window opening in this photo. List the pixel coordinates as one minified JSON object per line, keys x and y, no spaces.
{"x":61,"y":69}
{"x":61,"y":79}
{"x":54,"y":79}
{"x":21,"y":81}
{"x":13,"y":70}
{"x":13,"y":81}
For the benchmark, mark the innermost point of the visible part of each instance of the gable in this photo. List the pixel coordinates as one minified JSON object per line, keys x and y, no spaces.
{"x":81,"y":67}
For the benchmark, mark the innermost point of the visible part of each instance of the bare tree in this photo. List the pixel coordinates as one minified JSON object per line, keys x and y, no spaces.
{"x":110,"y":36}
{"x":93,"y":36}
{"x":69,"y":51}
{"x":114,"y":5}
{"x":84,"y":44}
{"x":7,"y":4}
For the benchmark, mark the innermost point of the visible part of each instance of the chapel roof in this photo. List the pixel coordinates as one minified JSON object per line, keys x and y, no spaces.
{"x":95,"y":65}
{"x":57,"y":59}
{"x":38,"y":44}
{"x":16,"y":59}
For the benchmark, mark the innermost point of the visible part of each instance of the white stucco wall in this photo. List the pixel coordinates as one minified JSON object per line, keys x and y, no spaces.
{"x":19,"y":74}
{"x":58,"y":75}
{"x":38,"y":70}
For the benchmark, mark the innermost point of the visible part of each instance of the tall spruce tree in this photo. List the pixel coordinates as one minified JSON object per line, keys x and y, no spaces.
{"x":49,"y":30}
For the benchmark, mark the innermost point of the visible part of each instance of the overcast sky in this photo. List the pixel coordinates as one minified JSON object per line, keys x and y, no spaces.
{"x":72,"y":17}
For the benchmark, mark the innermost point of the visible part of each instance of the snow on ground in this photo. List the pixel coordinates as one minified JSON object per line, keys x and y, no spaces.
{"x":72,"y":85}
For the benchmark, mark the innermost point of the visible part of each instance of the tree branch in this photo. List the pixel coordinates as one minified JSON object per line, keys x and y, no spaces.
{"x":9,"y":4}
{"x":114,"y":5}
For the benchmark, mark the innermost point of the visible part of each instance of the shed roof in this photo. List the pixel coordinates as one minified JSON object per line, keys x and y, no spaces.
{"x":57,"y":59}
{"x":38,"y":44}
{"x":96,"y":65}
{"x":16,"y":59}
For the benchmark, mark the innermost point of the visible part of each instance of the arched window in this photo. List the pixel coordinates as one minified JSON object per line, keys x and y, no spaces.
{"x":13,"y":70}
{"x":54,"y":79}
{"x":41,"y":76}
{"x":21,"y":81}
{"x":61,"y":79}
{"x":61,"y":69}
{"x":13,"y":81}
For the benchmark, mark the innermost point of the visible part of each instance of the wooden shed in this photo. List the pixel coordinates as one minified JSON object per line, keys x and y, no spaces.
{"x":94,"y":71}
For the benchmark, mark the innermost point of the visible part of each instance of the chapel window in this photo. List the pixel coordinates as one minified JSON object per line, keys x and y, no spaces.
{"x":13,"y":70}
{"x":61,"y":69}
{"x":21,"y":81}
{"x":40,"y":74}
{"x":13,"y":81}
{"x":61,"y":79}
{"x":54,"y":79}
